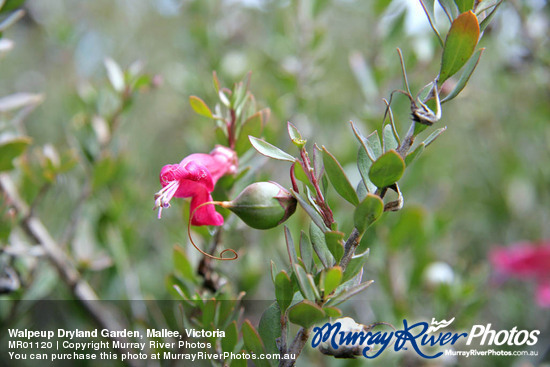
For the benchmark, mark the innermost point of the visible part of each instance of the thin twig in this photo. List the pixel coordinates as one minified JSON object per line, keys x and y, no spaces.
{"x":350,"y":247}
{"x":296,"y":347}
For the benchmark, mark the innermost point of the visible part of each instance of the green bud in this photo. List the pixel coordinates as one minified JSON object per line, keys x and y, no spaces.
{"x":262,"y":205}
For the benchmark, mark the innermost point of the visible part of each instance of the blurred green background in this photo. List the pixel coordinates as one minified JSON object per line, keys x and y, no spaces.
{"x":318,"y":64}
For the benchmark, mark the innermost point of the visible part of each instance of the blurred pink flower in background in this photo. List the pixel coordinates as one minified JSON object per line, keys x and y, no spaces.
{"x":528,"y":261}
{"x":195,"y":177}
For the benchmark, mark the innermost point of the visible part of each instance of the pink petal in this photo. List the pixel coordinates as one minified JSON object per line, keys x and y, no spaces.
{"x":205,"y":215}
{"x":523,"y":260}
{"x":193,"y":178}
{"x":219,"y":162}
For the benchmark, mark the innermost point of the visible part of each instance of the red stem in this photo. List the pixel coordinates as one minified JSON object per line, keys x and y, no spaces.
{"x":326,"y":213}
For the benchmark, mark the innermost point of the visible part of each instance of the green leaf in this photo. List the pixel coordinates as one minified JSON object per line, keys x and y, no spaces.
{"x":387,"y":169}
{"x":367,"y":212}
{"x":238,"y":362}
{"x":269,"y":150}
{"x":274,"y":271}
{"x":361,"y":190}
{"x":291,"y":250}
{"x":338,"y":178}
{"x":371,"y":144}
{"x":229,"y":342}
{"x":306,"y":252}
{"x":295,"y":135}
{"x":182,"y":264}
{"x":284,"y":290}
{"x":459,"y":45}
{"x":428,"y":6}
{"x":253,"y":126}
{"x":11,"y":149}
{"x":209,"y":312}
{"x":331,"y":279}
{"x":390,"y":142}
{"x":270,"y":328}
{"x":177,"y":287}
{"x":430,"y":139}
{"x":335,"y":244}
{"x":332,"y":312}
{"x":253,"y":343}
{"x":115,"y":74}
{"x":485,"y":22}
{"x":9,"y":5}
{"x":374,"y":148}
{"x":355,"y":265}
{"x":414,"y":154}
{"x":200,"y":107}
{"x":450,"y":8}
{"x":305,"y":286}
{"x":216,"y":81}
{"x":300,"y":174}
{"x":313,"y":214}
{"x":464,"y":5}
{"x":347,"y":294}
{"x":363,"y":164}
{"x":306,"y":314}
{"x":465,"y":76}
{"x":320,"y":246}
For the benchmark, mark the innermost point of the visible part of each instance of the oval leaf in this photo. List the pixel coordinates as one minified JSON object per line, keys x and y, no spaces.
{"x":465,"y":77}
{"x":308,"y":290}
{"x":252,"y":126}
{"x":200,"y":107}
{"x":306,"y":252}
{"x":414,"y":154}
{"x":11,"y":149}
{"x":269,"y":150}
{"x":306,"y":314}
{"x":284,"y":291}
{"x":367,"y":212}
{"x":459,"y":45}
{"x":335,"y":244}
{"x":338,"y":178}
{"x":348,"y":293}
{"x":270,"y":328}
{"x":251,"y":338}
{"x":387,"y":169}
{"x":331,"y":279}
{"x":320,"y":246}
{"x":231,"y":337}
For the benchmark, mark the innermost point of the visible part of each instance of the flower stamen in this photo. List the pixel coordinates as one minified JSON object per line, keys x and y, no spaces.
{"x":163,"y":197}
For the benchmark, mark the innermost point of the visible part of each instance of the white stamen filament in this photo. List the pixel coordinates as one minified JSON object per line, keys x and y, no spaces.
{"x":163,"y":197}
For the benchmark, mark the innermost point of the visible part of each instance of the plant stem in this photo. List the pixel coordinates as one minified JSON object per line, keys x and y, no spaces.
{"x":326,"y":212}
{"x":349,"y":248}
{"x":296,"y":347}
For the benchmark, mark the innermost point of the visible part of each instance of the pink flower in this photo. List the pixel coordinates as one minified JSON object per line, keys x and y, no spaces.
{"x":195,"y":177}
{"x":526,"y":261}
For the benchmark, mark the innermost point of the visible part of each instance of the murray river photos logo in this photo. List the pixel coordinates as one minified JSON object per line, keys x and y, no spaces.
{"x":344,"y":337}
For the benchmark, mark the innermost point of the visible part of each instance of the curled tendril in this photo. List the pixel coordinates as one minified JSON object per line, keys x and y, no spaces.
{"x":235,"y":255}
